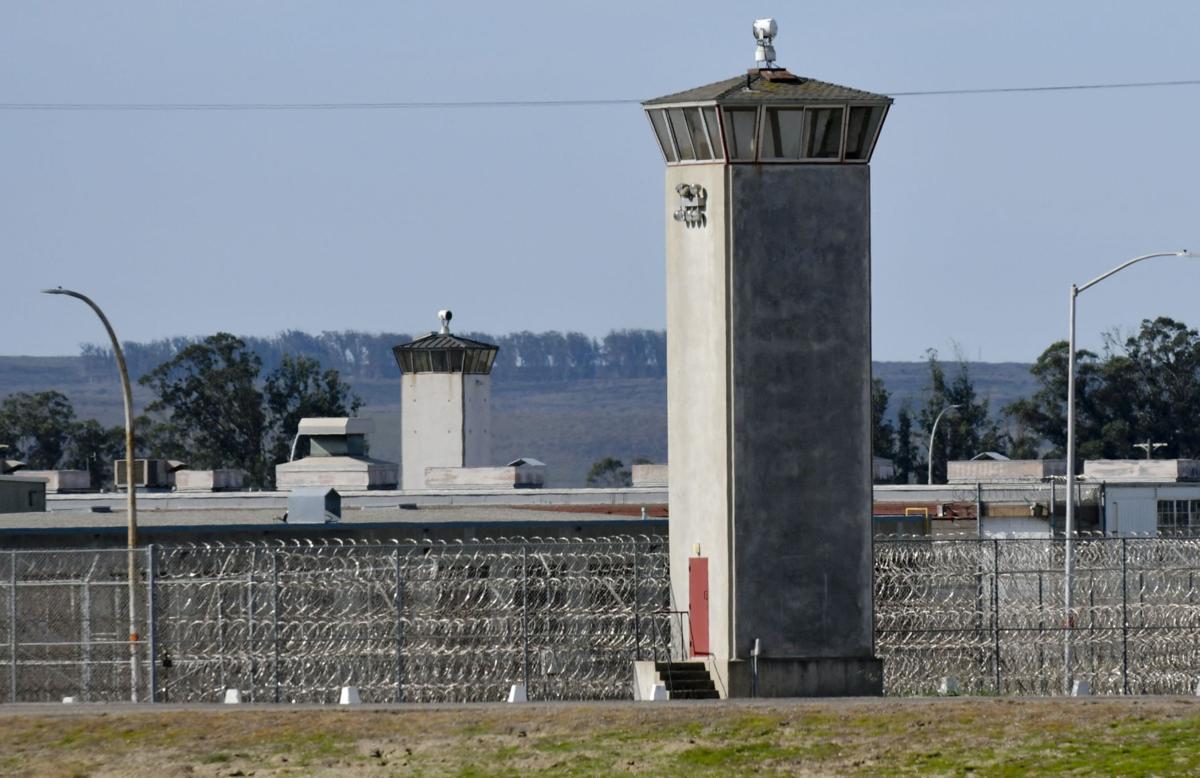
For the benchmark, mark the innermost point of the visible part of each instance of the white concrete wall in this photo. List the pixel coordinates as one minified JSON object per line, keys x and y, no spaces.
{"x":698,"y":403}
{"x":62,"y":480}
{"x":1133,"y":510}
{"x":431,"y":425}
{"x":483,"y":477}
{"x":445,"y":421}
{"x":1015,"y":527}
{"x":1125,"y":470}
{"x":650,"y":475}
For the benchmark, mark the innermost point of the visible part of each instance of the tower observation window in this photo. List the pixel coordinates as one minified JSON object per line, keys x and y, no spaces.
{"x":683,"y":135}
{"x":823,"y":133}
{"x":714,"y":132}
{"x":861,"y":129}
{"x":783,"y":133}
{"x":742,"y":133}
{"x":658,"y":119}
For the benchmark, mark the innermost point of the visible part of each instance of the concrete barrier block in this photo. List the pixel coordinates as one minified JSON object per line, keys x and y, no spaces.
{"x":349,"y":696}
{"x":517,"y":693}
{"x":659,"y":694}
{"x":948,"y":686}
{"x":1081,"y":689}
{"x":233,"y":696}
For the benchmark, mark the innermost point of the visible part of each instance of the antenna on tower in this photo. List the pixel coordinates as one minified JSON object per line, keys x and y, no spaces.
{"x":765,"y":31}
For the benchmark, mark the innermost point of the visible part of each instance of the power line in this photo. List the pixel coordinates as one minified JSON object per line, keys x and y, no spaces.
{"x":1059,"y":88}
{"x":530,"y":103}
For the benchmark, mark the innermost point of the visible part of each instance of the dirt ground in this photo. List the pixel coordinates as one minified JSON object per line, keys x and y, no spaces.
{"x":955,"y":736}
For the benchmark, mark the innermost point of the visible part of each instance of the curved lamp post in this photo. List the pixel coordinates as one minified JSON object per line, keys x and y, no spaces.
{"x":1069,"y":526}
{"x":932,"y":433}
{"x":131,"y":492}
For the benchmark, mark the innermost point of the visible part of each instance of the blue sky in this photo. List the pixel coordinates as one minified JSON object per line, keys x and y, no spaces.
{"x":986,"y":207}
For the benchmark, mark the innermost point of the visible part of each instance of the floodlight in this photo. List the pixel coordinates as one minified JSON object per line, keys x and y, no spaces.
{"x":765,"y":31}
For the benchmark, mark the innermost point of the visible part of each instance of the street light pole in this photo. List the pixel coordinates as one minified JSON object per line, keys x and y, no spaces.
{"x":131,"y":492}
{"x":932,"y":433}
{"x":1069,"y":526}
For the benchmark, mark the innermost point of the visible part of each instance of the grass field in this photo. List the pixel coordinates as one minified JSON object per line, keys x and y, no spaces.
{"x":957,"y":736}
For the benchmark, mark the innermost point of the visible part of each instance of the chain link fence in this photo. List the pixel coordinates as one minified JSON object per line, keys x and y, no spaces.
{"x":989,"y":613}
{"x":417,"y":622}
{"x":294,"y":622}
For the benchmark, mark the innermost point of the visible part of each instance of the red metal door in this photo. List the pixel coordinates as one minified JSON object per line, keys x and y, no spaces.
{"x":698,"y":604}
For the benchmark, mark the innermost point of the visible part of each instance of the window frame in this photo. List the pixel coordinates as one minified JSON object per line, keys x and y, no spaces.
{"x":719,"y":156}
{"x":762,"y":139}
{"x":723,"y":156}
{"x":657,"y":137}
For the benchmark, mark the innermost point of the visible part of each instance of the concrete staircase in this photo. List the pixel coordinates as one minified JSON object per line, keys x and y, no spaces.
{"x":687,"y":680}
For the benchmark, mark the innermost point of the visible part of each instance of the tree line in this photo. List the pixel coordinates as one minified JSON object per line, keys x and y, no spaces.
{"x":1141,"y":388}
{"x":523,"y":356}
{"x":213,"y":408}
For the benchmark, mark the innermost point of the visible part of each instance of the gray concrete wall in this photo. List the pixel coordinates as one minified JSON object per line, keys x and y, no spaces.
{"x":477,"y":420}
{"x":698,"y":396}
{"x":21,"y":495}
{"x":801,"y":454}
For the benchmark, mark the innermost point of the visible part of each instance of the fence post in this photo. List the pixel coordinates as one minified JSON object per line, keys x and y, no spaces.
{"x":996,"y":607}
{"x":399,"y":603}
{"x":637,"y":632}
{"x":12,"y":626}
{"x":151,"y":621}
{"x":1124,"y":618}
{"x":85,"y":637}
{"x":275,"y":621}
{"x":525,"y":616}
{"x":250,"y":622}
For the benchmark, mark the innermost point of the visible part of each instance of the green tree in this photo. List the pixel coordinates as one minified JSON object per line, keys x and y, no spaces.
{"x":964,"y":432}
{"x":1145,"y":387}
{"x":94,"y":447}
{"x":609,"y":472}
{"x":37,"y":427}
{"x":210,"y":409}
{"x":299,"y":389}
{"x":907,"y":459}
{"x":883,"y":434}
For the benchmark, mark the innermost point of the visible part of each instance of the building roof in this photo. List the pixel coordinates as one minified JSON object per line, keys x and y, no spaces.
{"x":336,"y":426}
{"x":439,"y":341}
{"x":759,"y":86}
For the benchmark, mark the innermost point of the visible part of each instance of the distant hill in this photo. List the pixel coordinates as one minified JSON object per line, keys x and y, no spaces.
{"x":567,"y":423}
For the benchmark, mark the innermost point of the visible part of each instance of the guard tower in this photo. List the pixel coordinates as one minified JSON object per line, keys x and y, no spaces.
{"x":767,"y":207}
{"x":445,"y":399}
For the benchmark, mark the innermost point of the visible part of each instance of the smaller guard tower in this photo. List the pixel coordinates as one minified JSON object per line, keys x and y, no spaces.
{"x":445,"y":403}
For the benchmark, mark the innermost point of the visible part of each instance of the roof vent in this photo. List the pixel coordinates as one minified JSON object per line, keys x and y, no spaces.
{"x":444,"y":317}
{"x":765,"y":31}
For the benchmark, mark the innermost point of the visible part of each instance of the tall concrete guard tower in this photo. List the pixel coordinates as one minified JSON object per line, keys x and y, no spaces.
{"x":445,"y":399}
{"x":769,"y":358}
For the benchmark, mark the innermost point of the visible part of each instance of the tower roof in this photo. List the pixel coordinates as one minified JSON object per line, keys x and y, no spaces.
{"x":441,"y":352}
{"x":442,"y":341}
{"x":768,"y":85}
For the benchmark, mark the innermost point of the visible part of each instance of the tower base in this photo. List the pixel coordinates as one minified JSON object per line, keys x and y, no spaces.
{"x":807,"y":677}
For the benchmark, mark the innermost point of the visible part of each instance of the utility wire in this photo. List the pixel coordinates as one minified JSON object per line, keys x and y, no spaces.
{"x":530,"y":103}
